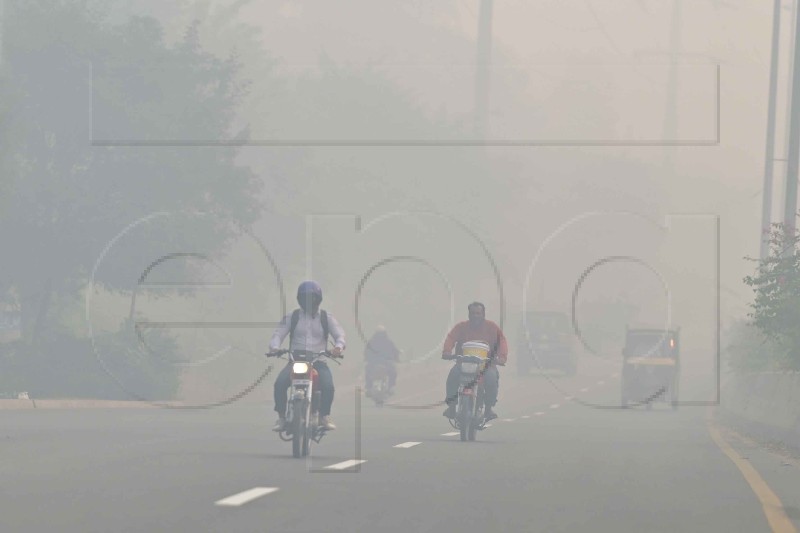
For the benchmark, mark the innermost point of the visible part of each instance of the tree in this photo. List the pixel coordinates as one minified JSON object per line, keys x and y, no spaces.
{"x":71,"y":77}
{"x":776,"y":308}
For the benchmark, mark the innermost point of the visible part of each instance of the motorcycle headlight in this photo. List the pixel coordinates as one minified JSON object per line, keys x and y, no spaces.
{"x":300,"y":368}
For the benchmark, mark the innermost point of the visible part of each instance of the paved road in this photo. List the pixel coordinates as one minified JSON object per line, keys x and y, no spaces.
{"x":549,"y":464}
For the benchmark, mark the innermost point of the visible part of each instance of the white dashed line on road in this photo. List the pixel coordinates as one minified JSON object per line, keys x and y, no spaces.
{"x":406,"y":445}
{"x":601,"y":382}
{"x":569,"y":398}
{"x":526,"y":416}
{"x":555,"y":406}
{"x":539,"y":413}
{"x":344,"y":465}
{"x":451,"y":434}
{"x":585,"y":389}
{"x":509,"y":419}
{"x":244,"y":497}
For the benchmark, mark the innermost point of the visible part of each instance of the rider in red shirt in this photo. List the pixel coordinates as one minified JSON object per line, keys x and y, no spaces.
{"x":477,"y":328}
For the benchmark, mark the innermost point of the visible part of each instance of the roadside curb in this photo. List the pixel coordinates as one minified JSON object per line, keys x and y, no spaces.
{"x":764,"y":404}
{"x":82,"y":404}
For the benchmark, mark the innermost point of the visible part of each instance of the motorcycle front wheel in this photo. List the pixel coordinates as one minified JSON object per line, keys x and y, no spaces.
{"x":465,"y":417}
{"x":299,"y":431}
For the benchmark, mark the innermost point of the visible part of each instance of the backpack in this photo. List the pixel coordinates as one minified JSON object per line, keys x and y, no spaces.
{"x":323,"y":316}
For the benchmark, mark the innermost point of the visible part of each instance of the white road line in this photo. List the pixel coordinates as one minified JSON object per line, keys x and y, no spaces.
{"x":487,"y":425}
{"x":585,"y":389}
{"x":344,"y":465}
{"x":601,"y":382}
{"x":406,"y":445}
{"x":247,"y":496}
{"x":509,"y":419}
{"x":526,"y":416}
{"x":555,"y":406}
{"x":569,"y":398}
{"x":539,"y":413}
{"x":451,"y":434}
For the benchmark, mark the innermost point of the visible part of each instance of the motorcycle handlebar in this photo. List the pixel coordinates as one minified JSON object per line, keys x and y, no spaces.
{"x":460,"y":357}
{"x":326,"y":353}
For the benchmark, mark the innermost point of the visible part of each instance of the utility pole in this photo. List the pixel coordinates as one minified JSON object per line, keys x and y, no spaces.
{"x":794,"y":141}
{"x":769,"y":158}
{"x":789,"y":63}
{"x":671,"y":119}
{"x":2,"y":28}
{"x":482,"y":69}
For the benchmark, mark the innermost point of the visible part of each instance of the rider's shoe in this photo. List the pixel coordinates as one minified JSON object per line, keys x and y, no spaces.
{"x":450,"y":412}
{"x":489,"y":414}
{"x":280,"y":425}
{"x":325,"y":422}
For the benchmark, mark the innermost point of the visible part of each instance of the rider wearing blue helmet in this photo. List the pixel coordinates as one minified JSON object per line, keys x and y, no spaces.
{"x":308,"y":328}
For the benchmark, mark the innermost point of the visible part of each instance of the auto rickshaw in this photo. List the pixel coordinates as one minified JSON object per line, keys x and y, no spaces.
{"x":651,"y":367}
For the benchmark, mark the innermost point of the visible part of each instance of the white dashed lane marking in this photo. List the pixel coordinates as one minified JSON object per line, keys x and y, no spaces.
{"x":406,"y":444}
{"x":539,"y":413}
{"x":509,"y":419}
{"x":568,"y":398}
{"x":601,"y":382}
{"x":555,"y":406}
{"x":451,"y":434}
{"x":344,"y":465}
{"x":526,"y":416}
{"x":244,"y":497}
{"x":585,"y":389}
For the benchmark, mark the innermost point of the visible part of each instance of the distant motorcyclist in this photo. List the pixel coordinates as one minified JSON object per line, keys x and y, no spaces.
{"x":308,"y":328}
{"x":477,"y":328}
{"x":380,"y":352}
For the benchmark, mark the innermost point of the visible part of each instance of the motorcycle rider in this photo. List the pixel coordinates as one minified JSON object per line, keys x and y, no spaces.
{"x":380,"y":352}
{"x":308,"y":328}
{"x":477,"y":328}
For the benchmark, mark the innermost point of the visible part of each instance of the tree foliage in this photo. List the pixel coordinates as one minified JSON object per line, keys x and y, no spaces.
{"x":70,"y":78}
{"x":776,"y":306}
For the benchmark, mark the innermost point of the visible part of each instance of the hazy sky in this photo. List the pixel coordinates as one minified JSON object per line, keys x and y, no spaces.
{"x":619,"y":44}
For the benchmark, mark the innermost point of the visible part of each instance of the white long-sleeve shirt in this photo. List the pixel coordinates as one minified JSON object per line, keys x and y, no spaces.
{"x":308,"y":334}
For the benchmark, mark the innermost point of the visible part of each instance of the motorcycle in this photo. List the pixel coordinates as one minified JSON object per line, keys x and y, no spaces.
{"x":379,"y":390}
{"x":302,"y":408}
{"x":469,"y":410}
{"x":470,"y":417}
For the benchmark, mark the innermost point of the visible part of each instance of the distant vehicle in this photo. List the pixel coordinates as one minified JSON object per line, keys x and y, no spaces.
{"x":549,"y":343}
{"x":651,"y":367}
{"x":379,"y":388}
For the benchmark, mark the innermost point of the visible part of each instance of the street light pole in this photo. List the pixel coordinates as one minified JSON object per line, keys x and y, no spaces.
{"x":671,"y":112}
{"x":769,"y":158}
{"x":790,"y":211}
{"x":482,"y":68}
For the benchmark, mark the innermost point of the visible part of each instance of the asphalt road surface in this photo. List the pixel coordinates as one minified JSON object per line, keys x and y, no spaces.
{"x":549,"y":463}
